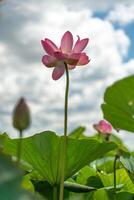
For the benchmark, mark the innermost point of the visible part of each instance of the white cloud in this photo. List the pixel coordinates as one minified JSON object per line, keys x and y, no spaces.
{"x":103,"y":5}
{"x":122,"y":14}
{"x":23,"y":74}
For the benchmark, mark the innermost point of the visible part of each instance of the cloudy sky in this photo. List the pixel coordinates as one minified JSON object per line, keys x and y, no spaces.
{"x":109,"y":26}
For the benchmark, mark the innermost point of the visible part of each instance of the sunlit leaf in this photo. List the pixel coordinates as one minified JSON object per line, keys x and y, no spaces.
{"x":84,"y":174}
{"x":118,"y":106}
{"x":127,"y":161}
{"x":106,"y":164}
{"x":121,"y":178}
{"x":44,"y":151}
{"x":100,"y":194}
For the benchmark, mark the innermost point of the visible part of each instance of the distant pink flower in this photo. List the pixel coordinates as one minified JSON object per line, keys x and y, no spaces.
{"x":56,"y":57}
{"x":103,"y":127}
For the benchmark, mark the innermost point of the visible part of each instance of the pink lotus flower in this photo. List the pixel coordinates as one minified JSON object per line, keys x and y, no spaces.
{"x":103,"y":127}
{"x":66,"y":53}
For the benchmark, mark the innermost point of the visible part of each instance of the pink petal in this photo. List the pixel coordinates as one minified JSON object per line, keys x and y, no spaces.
{"x":73,"y":58}
{"x":80,"y":45}
{"x":71,"y":67}
{"x":49,"y":46}
{"x":67,"y":42}
{"x":83,"y":59}
{"x":105,"y":126}
{"x":49,"y":61}
{"x":58,"y":72}
{"x":60,"y":56}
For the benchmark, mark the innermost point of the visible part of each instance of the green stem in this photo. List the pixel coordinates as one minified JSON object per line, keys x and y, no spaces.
{"x":65,"y":134}
{"x":66,"y":100}
{"x":54,"y":192}
{"x":114,"y":169}
{"x":19,"y":146}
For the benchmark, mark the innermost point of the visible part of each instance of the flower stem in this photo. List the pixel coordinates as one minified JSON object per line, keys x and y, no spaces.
{"x":114,"y":169}
{"x":54,"y":192}
{"x":19,"y":146}
{"x":66,"y":100}
{"x":65,"y":134}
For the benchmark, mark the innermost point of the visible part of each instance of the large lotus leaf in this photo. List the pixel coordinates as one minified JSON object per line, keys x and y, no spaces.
{"x":44,"y":153}
{"x":118,"y":106}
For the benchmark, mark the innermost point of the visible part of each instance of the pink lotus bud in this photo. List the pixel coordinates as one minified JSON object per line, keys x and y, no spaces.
{"x":103,"y":127}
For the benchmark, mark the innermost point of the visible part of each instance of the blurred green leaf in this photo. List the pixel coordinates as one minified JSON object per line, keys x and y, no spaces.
{"x":10,"y":182}
{"x":78,"y":132}
{"x":2,"y":139}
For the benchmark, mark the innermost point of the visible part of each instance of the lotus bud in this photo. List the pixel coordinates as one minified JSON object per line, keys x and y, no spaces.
{"x":21,"y":116}
{"x":104,"y":128}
